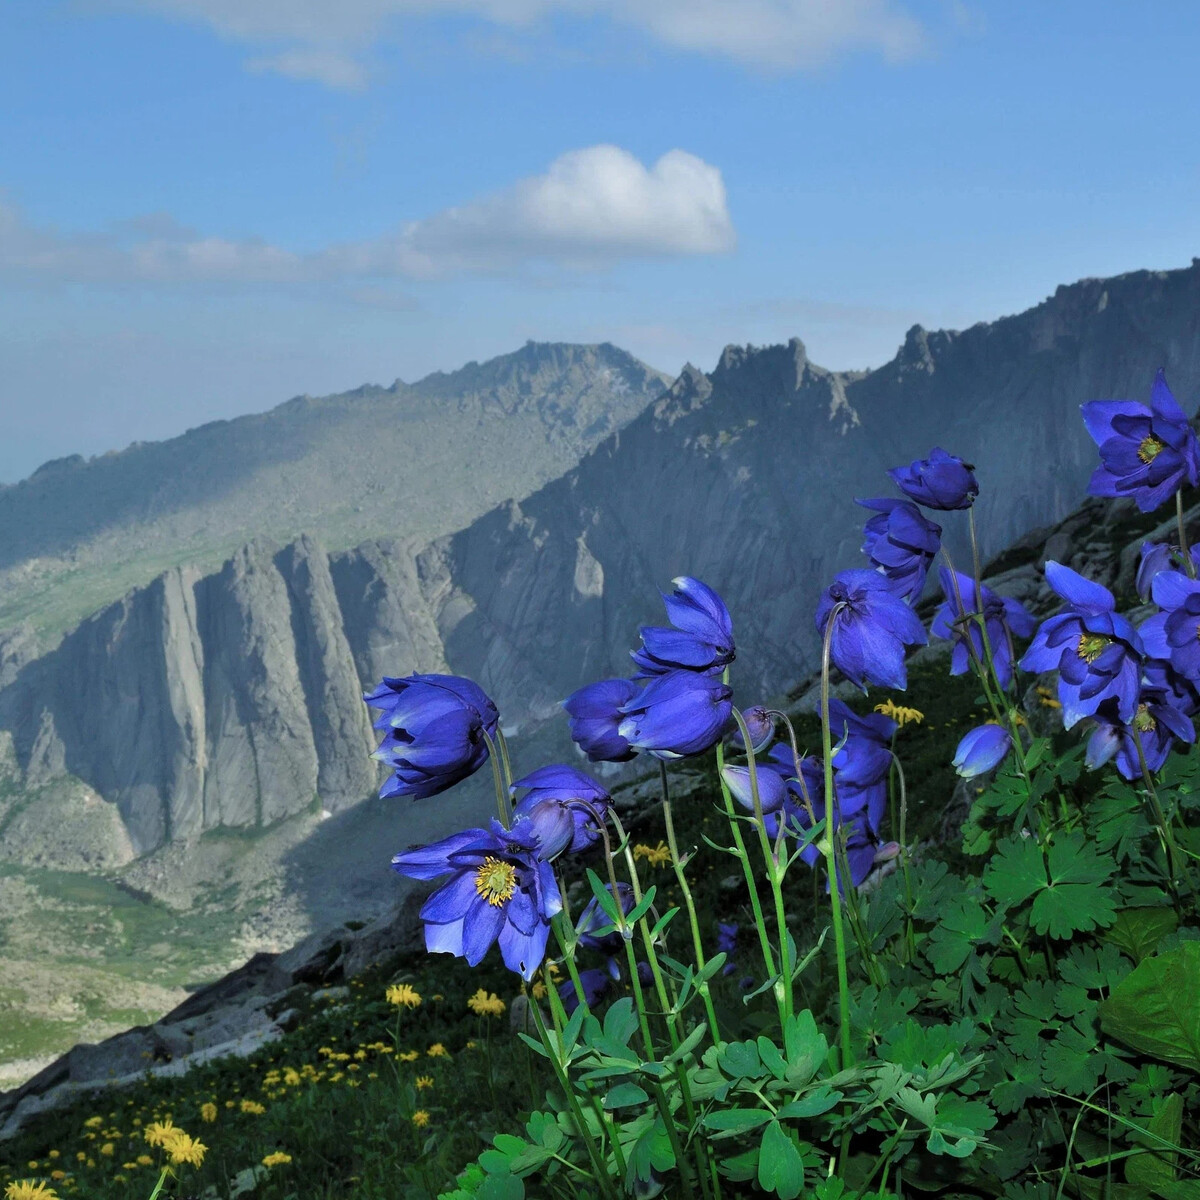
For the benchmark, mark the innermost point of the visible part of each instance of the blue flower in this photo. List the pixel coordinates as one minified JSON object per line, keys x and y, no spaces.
{"x":565,"y":806}
{"x":981,"y":750}
{"x":759,"y":724}
{"x":595,"y":712}
{"x":901,"y":543}
{"x":499,"y":890}
{"x":1001,"y":615}
{"x":1163,"y":716}
{"x":435,"y":732}
{"x":779,"y":788}
{"x":1174,"y":632}
{"x":677,"y":714}
{"x":862,"y":760}
{"x":1146,"y":453}
{"x":871,"y":629}
{"x":597,"y":982}
{"x":1095,"y":650}
{"x":942,"y":481}
{"x":727,"y":940}
{"x":702,"y":639}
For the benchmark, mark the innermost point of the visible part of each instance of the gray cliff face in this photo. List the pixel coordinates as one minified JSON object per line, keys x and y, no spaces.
{"x":233,"y":699}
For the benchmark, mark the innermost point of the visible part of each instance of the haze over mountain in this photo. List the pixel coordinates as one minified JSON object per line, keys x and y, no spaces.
{"x":413,"y":460}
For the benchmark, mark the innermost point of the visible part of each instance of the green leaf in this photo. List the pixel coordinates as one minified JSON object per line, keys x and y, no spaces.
{"x":731,"y":1121}
{"x":812,"y":1105}
{"x":1138,"y":931}
{"x":740,"y":1060}
{"x":962,"y":926}
{"x":501,"y":1187}
{"x":625,"y":1094}
{"x":642,"y":907}
{"x":661,"y":924}
{"x":780,"y":1167}
{"x":1095,"y":968}
{"x":805,"y":1046}
{"x":620,"y":1022}
{"x":1156,"y":1169}
{"x":688,"y":1044}
{"x":1156,"y":1007}
{"x":1016,"y":871}
{"x":1076,"y":899}
{"x":772,"y":1059}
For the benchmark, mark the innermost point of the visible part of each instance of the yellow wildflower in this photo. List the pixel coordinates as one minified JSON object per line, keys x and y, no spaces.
{"x":277,"y":1159}
{"x":423,"y":1082}
{"x":360,"y":1054}
{"x":656,"y":856}
{"x":229,"y":1104}
{"x":420,"y":1118}
{"x":129,"y":1166}
{"x":437,"y":1050}
{"x":291,"y":1077}
{"x":57,"y":1176}
{"x":403,"y":995}
{"x":183,"y":1148}
{"x":93,"y":1123}
{"x":407,"y":1055}
{"x":472,"y":1044}
{"x":486,"y":1004}
{"x":80,"y":1155}
{"x":538,"y":990}
{"x":27,"y":1189}
{"x":208,"y":1111}
{"x":107,"y":1149}
{"x":145,"y":1160}
{"x":901,"y":715}
{"x":253,"y":1107}
{"x":157,"y":1132}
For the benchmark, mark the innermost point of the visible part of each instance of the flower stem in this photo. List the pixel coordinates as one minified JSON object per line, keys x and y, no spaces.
{"x":498,"y":777}
{"x":1164,"y":828}
{"x":1188,"y":565}
{"x":697,"y":948}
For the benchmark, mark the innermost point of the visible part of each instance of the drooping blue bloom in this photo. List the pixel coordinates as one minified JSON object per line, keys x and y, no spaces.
{"x":498,"y":890}
{"x":435,"y":732}
{"x":981,"y":750}
{"x":1156,"y":557}
{"x":677,"y":714}
{"x":1096,"y":651}
{"x":942,"y":481}
{"x":702,"y":637}
{"x":1001,"y":615}
{"x":1146,"y":453}
{"x":1163,"y":716}
{"x":901,"y":543}
{"x":862,"y":760}
{"x":772,"y":786}
{"x":594,"y":918}
{"x":779,"y":788}
{"x":595,"y":712}
{"x":1173,"y":633}
{"x":871,"y":629}
{"x":759,"y":724}
{"x":555,"y":803}
{"x":727,"y":940}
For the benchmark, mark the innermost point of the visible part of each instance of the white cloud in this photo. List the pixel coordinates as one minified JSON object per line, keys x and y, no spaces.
{"x":590,"y":209}
{"x":333,"y":68}
{"x":320,"y":39}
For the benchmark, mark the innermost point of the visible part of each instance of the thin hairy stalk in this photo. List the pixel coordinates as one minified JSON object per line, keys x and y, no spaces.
{"x":498,"y":777}
{"x":1188,"y":564}
{"x":1164,"y":828}
{"x":697,"y":948}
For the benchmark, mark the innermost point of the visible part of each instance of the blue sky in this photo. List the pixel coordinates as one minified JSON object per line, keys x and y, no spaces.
{"x":208,"y":206}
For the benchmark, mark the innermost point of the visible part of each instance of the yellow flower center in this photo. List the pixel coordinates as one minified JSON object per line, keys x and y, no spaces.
{"x":1143,"y":722}
{"x":1092,"y":645}
{"x":1150,"y":448}
{"x":496,"y":881}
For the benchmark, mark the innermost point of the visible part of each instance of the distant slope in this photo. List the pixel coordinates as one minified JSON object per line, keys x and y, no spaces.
{"x":415,"y":460}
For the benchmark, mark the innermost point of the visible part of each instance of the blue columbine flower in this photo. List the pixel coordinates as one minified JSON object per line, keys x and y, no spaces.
{"x":1164,"y":715}
{"x":1174,"y":632}
{"x":595,"y":712}
{"x":870,"y":630}
{"x":679,"y":713}
{"x":942,"y":481}
{"x":1156,"y":557}
{"x":862,"y":759}
{"x":702,"y":639}
{"x":1146,"y":453}
{"x":1095,"y":650}
{"x":565,"y":806}
{"x":499,"y":890}
{"x":901,"y":543}
{"x":727,"y":940}
{"x":759,"y":724}
{"x":435,"y":726}
{"x":1001,"y":614}
{"x":981,"y":750}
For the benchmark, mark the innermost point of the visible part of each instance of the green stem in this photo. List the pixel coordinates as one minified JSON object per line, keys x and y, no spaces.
{"x":1164,"y":828}
{"x":697,"y":948}
{"x":498,"y":777}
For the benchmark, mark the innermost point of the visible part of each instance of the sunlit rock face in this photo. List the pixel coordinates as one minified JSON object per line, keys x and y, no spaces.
{"x":232,"y":699}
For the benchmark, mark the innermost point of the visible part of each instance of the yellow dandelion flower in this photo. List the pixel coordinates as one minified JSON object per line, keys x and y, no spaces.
{"x":278,"y":1159}
{"x":403,"y":995}
{"x":93,"y":1123}
{"x":538,"y":990}
{"x":107,"y":1149}
{"x":337,"y":1077}
{"x":145,"y":1160}
{"x":81,"y":1156}
{"x":157,"y":1132}
{"x":183,"y":1148}
{"x":230,"y":1103}
{"x":486,"y":1004}
{"x":408,"y":1055}
{"x":360,"y":1054}
{"x":437,"y":1050}
{"x":129,"y":1166}
{"x":27,"y":1189}
{"x":655,"y":856}
{"x":420,"y":1118}
{"x":291,"y":1077}
{"x":58,"y":1176}
{"x":208,"y":1112}
{"x":423,"y":1082}
{"x":900,"y":714}
{"x":472,"y":1044}
{"x":253,"y":1107}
